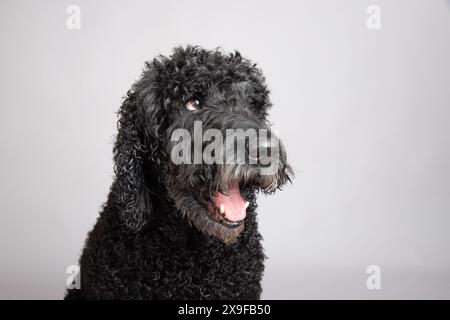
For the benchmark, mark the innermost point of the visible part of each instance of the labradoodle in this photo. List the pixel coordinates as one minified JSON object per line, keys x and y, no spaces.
{"x":180,"y":221}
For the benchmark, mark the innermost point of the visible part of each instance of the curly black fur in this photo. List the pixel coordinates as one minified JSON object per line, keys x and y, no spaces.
{"x":154,"y":238}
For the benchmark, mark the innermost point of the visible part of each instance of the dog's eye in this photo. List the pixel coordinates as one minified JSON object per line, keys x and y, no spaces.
{"x":193,"y":104}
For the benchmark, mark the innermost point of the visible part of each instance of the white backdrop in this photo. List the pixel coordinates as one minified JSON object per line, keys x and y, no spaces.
{"x":364,"y":115}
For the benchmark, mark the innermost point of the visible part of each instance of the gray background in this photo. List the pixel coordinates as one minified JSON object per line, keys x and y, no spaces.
{"x":363,"y":113}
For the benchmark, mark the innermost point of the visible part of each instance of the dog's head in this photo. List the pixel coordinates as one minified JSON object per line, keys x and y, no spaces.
{"x":195,"y":126}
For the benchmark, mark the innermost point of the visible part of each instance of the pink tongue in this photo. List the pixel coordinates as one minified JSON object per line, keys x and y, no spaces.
{"x":233,"y":204}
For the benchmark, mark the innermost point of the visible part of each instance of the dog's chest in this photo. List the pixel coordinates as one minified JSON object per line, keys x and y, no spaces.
{"x":205,"y":272}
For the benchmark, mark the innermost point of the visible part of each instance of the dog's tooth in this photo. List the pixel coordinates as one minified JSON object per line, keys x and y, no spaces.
{"x":222,"y":209}
{"x":246,"y":205}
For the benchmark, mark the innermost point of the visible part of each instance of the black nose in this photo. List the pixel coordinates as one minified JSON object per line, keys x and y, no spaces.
{"x":265,"y":150}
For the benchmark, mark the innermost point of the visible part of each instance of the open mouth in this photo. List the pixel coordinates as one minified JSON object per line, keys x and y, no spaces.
{"x":228,"y":209}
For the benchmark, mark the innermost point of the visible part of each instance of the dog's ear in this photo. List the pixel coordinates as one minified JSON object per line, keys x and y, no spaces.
{"x":130,"y":151}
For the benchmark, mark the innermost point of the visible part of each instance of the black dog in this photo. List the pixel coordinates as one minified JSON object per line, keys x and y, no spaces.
{"x":184,"y":230}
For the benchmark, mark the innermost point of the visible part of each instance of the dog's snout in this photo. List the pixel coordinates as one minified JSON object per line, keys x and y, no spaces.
{"x":265,"y":150}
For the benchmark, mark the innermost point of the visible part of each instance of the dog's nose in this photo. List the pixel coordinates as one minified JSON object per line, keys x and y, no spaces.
{"x":265,"y":151}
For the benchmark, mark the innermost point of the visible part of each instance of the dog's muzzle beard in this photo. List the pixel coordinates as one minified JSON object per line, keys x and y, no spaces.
{"x":216,"y":197}
{"x":220,"y":208}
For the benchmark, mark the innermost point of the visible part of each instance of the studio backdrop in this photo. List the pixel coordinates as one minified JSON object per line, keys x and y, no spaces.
{"x":361,"y":100}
